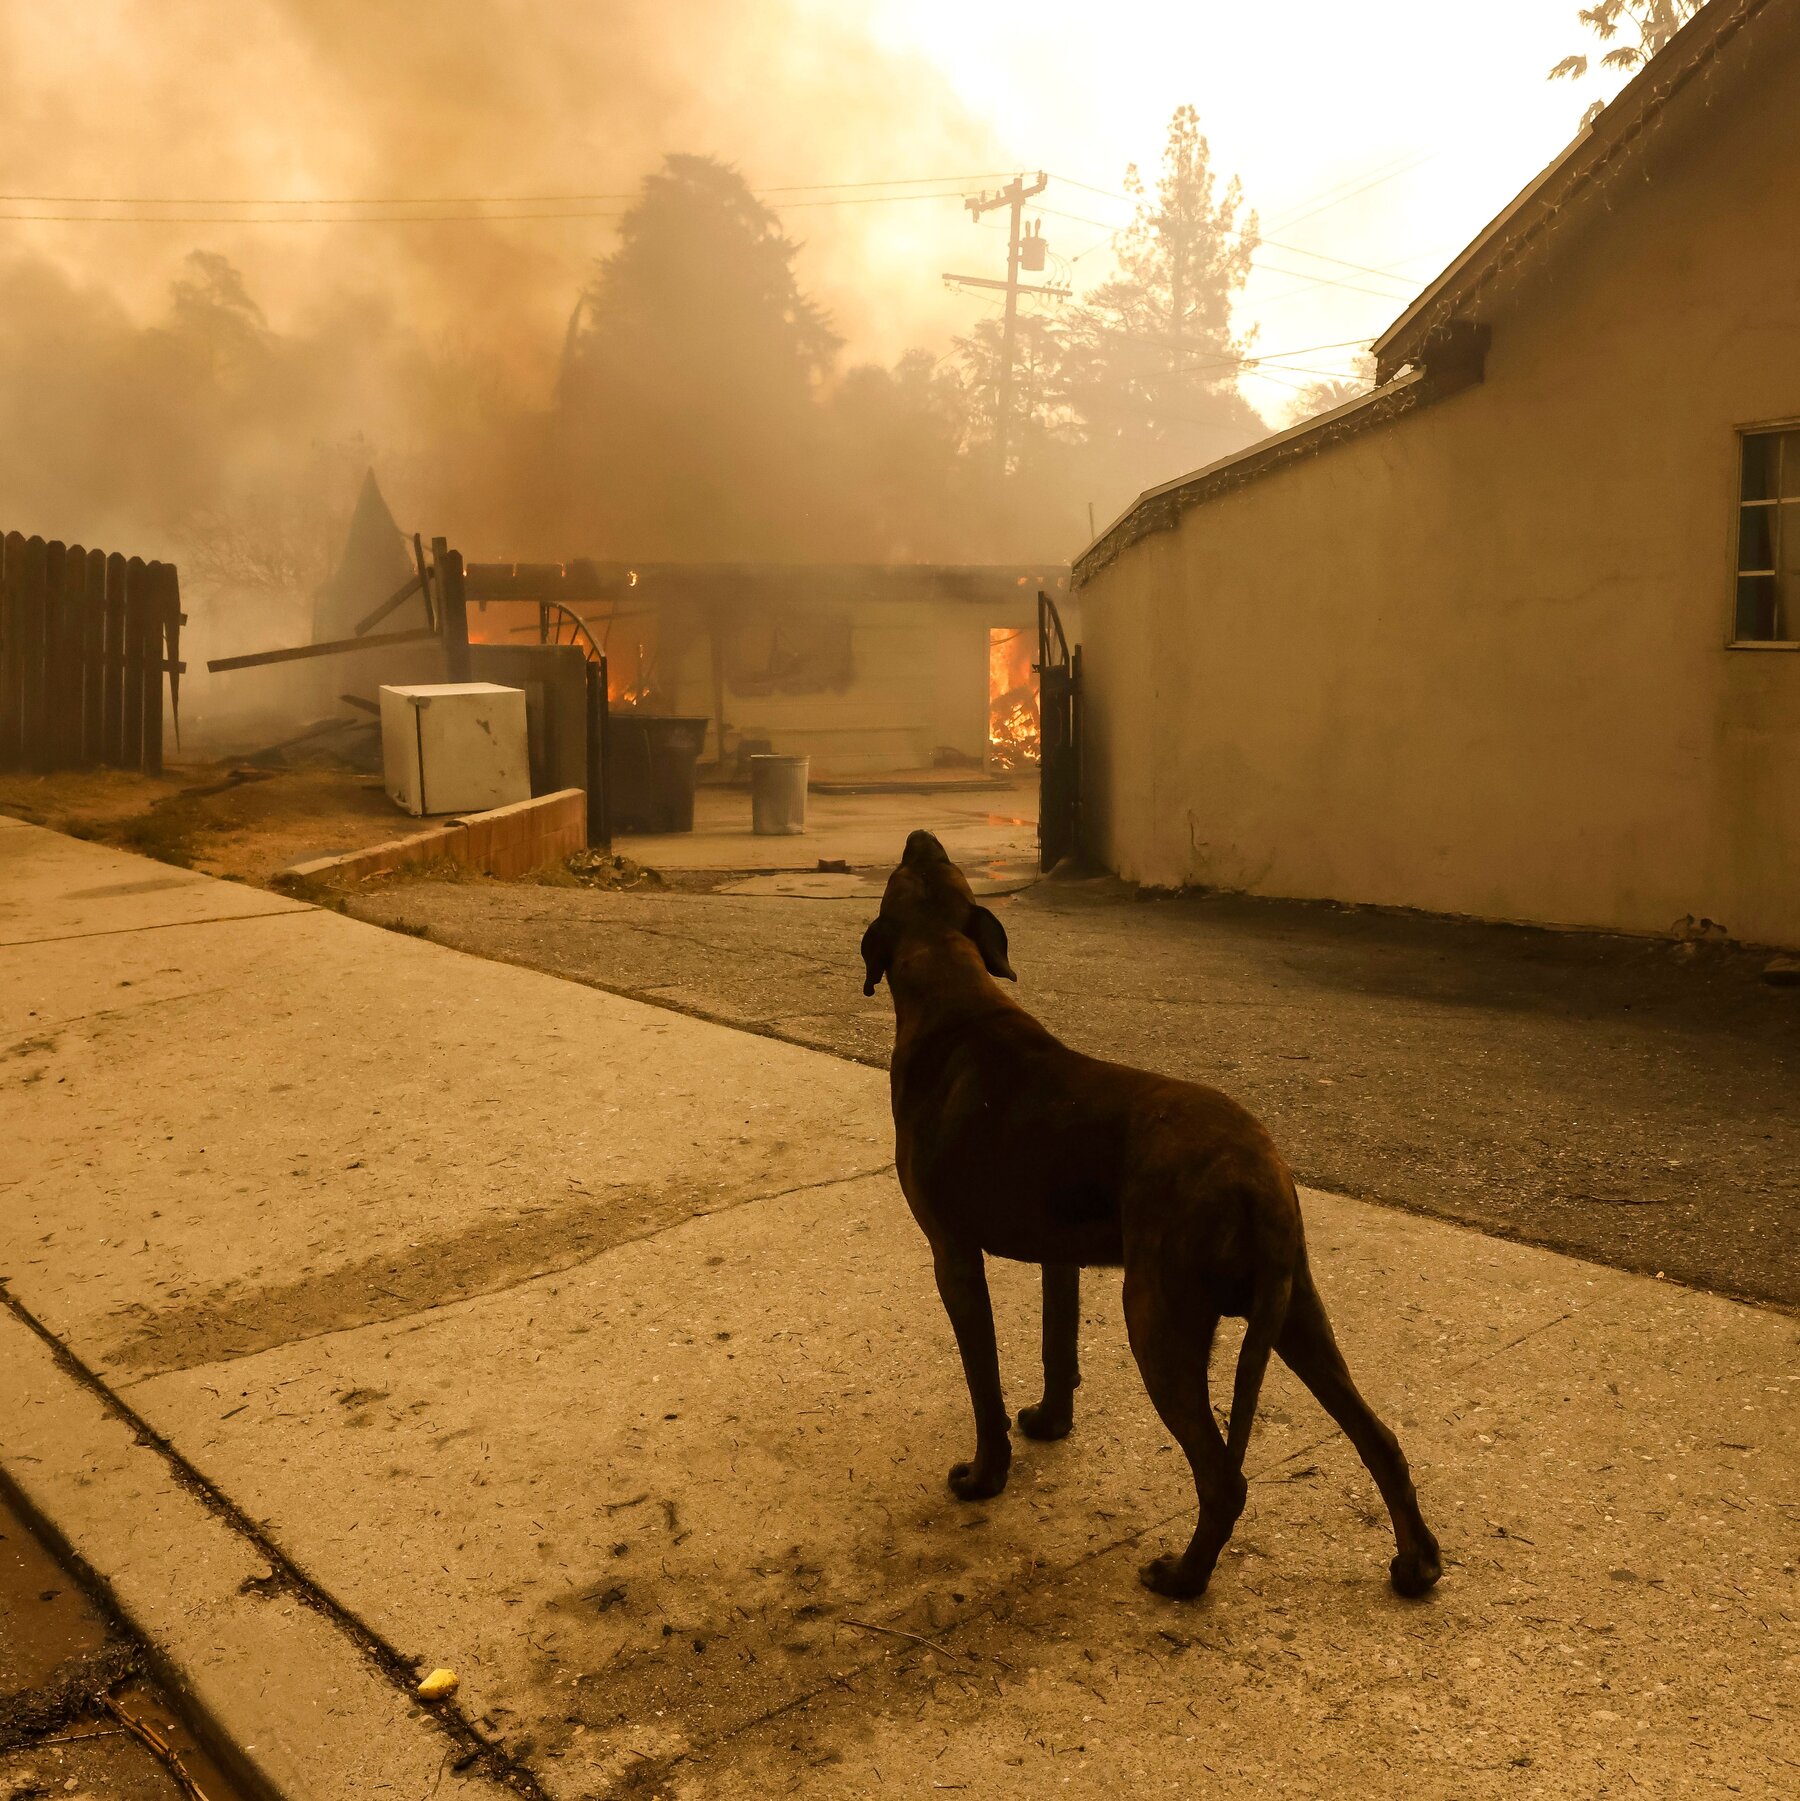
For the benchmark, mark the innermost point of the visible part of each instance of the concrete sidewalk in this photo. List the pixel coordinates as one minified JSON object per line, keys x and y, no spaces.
{"x":490,"y":1321}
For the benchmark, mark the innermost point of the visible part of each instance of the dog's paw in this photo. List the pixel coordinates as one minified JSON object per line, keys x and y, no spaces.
{"x":1045,"y":1422}
{"x":978,"y":1481}
{"x":1416,"y":1574}
{"x":1164,"y":1576}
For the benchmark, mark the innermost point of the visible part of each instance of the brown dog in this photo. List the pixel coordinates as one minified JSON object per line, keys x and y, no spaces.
{"x":1013,"y":1145}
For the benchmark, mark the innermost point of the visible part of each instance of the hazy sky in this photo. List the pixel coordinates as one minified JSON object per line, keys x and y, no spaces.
{"x":1440,"y":107}
{"x":1437,"y":109}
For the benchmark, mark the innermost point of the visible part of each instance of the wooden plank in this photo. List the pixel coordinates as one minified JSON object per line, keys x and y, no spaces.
{"x":137,"y":596}
{"x":453,"y":609}
{"x":431,"y":618}
{"x":331,"y":648}
{"x":397,"y":598}
{"x":42,"y":750}
{"x":173,"y":620}
{"x":93,"y":655}
{"x":32,"y":578}
{"x":12,"y":575}
{"x":154,"y":626}
{"x":112,"y":666}
{"x":65,"y":737}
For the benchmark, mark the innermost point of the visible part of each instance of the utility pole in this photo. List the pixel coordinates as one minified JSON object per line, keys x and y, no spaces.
{"x":1013,"y":195}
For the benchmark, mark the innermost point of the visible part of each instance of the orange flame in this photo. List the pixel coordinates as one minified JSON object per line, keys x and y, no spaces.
{"x":1012,"y":700}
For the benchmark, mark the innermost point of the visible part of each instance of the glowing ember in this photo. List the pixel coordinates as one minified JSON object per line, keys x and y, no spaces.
{"x":1012,"y":700}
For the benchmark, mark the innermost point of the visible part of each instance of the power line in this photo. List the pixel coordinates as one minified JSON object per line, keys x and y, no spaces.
{"x":803,"y":187}
{"x":780,"y":206}
{"x":1320,"y":256}
{"x":1326,"y":281}
{"x":1331,"y":198}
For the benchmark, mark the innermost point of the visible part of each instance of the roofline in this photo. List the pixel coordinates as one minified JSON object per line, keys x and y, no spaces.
{"x":1508,"y":236}
{"x":1430,"y":351}
{"x":1160,"y":506}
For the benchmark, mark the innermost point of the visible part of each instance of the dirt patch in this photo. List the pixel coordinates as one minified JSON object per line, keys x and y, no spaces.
{"x":233,"y":820}
{"x":234,"y":1321}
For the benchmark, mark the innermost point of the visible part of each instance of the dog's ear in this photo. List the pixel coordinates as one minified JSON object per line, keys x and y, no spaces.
{"x":877,"y":952}
{"x":990,"y":939}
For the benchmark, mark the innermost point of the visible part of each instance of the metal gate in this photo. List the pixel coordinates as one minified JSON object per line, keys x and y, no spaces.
{"x":1059,"y":726}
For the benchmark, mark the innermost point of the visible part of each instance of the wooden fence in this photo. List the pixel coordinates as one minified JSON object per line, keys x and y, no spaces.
{"x":85,"y":641}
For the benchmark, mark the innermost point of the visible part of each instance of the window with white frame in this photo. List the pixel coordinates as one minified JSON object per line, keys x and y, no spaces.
{"x":1768,"y":538}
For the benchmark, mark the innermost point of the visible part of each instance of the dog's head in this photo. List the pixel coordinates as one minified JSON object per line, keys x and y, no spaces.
{"x":928,"y":897}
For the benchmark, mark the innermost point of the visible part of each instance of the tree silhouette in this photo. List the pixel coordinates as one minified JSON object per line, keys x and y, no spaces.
{"x":1636,"y":29}
{"x":688,"y":395}
{"x":1151,"y":361}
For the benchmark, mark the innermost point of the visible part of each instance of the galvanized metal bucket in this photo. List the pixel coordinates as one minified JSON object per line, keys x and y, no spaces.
{"x":778,"y":795}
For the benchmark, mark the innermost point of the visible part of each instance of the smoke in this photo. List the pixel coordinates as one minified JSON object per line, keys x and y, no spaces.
{"x":206,"y":378}
{"x":171,"y":380}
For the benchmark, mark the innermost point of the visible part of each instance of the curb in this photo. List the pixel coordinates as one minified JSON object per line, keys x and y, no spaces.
{"x":504,"y":841}
{"x":287,"y":1693}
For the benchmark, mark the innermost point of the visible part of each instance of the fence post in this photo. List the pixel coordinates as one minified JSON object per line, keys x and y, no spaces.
{"x":31,"y":652}
{"x":173,"y":620}
{"x":93,"y":650}
{"x":112,"y":666}
{"x":40,"y":748}
{"x":65,"y":679}
{"x":150,"y":655}
{"x":12,"y":684}
{"x":131,"y":747}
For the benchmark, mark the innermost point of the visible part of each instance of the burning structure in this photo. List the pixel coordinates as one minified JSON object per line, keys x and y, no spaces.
{"x":871,"y":670}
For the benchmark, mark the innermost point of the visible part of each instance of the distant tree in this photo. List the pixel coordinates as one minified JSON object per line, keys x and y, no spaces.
{"x":1151,"y":361}
{"x":895,"y":477}
{"x":1642,"y":27}
{"x":1333,"y":391}
{"x":1039,"y":404}
{"x":691,"y":373}
{"x":213,"y":317}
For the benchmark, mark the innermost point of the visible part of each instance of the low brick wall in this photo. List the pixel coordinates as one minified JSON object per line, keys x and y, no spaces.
{"x":505,"y":841}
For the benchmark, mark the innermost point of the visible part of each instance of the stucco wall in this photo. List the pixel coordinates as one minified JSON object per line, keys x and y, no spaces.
{"x":1475,"y":660}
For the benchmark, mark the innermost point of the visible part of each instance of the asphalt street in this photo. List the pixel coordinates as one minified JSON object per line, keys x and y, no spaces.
{"x":1632,"y":1101}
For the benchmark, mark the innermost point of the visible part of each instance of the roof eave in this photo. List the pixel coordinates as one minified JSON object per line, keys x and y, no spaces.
{"x":1643,"y":96}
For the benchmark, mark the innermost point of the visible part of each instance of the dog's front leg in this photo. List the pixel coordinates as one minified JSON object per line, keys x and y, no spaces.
{"x":1055,"y":1413}
{"x":962,"y":1282}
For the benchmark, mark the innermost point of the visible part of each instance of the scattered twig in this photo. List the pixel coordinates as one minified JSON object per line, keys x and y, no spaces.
{"x":159,"y":1747}
{"x":930,"y":1644}
{"x":80,"y":1738}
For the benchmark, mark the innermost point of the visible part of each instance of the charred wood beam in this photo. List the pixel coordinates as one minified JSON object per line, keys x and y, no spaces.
{"x":398,"y":598}
{"x":334,"y":647}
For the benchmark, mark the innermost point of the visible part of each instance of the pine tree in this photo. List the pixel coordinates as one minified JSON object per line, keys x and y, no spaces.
{"x":1151,"y":359}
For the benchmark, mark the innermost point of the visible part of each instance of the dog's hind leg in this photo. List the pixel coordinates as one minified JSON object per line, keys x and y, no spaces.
{"x":962,"y":1283}
{"x":1055,"y":1413}
{"x":1171,"y":1338}
{"x":1310,"y":1350}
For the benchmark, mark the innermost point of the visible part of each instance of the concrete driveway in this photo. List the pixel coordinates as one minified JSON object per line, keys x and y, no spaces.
{"x":587,"y":1349}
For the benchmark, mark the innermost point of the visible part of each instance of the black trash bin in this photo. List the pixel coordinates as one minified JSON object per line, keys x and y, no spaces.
{"x":652,"y":780}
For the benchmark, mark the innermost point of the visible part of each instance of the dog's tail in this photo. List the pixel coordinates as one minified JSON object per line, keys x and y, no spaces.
{"x":1268,"y":1314}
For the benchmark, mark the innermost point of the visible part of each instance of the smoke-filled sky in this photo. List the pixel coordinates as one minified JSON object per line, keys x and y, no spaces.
{"x":290,"y":99}
{"x":1381,"y":135}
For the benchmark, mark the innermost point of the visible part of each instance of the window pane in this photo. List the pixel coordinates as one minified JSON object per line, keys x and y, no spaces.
{"x":1761,"y":454}
{"x":1790,"y":464}
{"x":1755,"y":608}
{"x":1755,"y":540}
{"x":1787,"y":571}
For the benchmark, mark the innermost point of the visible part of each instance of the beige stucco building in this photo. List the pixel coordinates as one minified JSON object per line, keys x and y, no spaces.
{"x":1479,"y":642}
